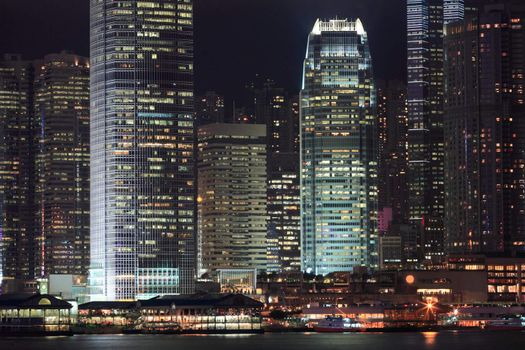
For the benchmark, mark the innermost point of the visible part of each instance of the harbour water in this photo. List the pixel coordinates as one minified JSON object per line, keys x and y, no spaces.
{"x":461,"y":340}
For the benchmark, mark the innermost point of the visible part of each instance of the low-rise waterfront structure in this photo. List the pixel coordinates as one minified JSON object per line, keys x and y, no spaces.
{"x":197,"y":313}
{"x":390,"y":287}
{"x":242,"y":281}
{"x":107,"y":316}
{"x":34,"y":314}
{"x":215,"y":313}
{"x":418,"y":315}
{"x":472,"y":279}
{"x":505,"y":276}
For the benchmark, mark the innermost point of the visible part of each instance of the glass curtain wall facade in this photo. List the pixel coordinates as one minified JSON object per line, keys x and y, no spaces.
{"x":338,"y":150}
{"x":142,"y":149}
{"x":425,"y":126}
{"x":62,"y":164}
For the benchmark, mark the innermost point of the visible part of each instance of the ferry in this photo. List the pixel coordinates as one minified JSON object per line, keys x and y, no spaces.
{"x":337,"y":324}
{"x":506,"y":323}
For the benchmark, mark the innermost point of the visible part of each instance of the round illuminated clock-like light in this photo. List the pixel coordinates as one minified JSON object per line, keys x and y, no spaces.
{"x":410,"y":279}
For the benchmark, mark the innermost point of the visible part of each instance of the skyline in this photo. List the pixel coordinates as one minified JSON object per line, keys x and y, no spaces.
{"x":368,"y":175}
{"x":142,"y":89}
{"x":291,"y":21}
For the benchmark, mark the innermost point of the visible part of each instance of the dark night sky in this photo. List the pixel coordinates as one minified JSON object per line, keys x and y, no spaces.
{"x":235,"y":39}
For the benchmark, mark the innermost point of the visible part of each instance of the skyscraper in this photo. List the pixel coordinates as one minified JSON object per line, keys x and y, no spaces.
{"x":209,"y":108}
{"x":392,"y":117}
{"x":62,"y":164}
{"x":142,"y":149}
{"x":338,"y":150}
{"x":284,"y":225}
{"x":453,"y":10}
{"x":17,"y":250}
{"x":232,"y":196}
{"x":485,"y":124}
{"x":462,"y":122}
{"x":425,"y":125}
{"x":397,"y":235}
{"x":274,"y":107}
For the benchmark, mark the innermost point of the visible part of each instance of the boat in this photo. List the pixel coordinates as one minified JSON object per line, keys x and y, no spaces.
{"x":506,"y":323}
{"x":337,"y":324}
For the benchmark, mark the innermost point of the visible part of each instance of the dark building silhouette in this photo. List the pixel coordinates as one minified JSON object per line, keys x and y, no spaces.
{"x":282,"y":121}
{"x":398,"y":236}
{"x":209,"y":108}
{"x":392,"y":127}
{"x":44,"y":159}
{"x":485,"y":130}
{"x":17,"y":175}
{"x":274,"y":107}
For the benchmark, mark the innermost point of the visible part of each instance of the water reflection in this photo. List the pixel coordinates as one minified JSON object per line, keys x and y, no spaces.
{"x":430,"y":338}
{"x":239,"y":335}
{"x":276,"y":341}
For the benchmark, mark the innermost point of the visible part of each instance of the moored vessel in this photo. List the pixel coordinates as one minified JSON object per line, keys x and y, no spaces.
{"x":338,"y":324}
{"x":506,"y":323}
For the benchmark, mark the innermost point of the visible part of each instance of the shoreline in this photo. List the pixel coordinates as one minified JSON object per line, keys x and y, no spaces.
{"x":262,"y":331}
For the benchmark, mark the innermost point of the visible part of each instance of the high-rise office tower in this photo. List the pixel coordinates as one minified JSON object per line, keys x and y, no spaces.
{"x":425,"y":125}
{"x":453,"y":10}
{"x":485,"y":128}
{"x":398,"y":237}
{"x":232,"y":196}
{"x":17,"y":253}
{"x":392,"y":127}
{"x":279,"y":111}
{"x":284,"y":225}
{"x":142,"y":149}
{"x":61,"y":103}
{"x":209,"y":108}
{"x":338,"y":150}
{"x":461,"y":123}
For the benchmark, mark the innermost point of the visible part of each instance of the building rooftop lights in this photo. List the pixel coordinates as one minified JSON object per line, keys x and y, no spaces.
{"x":338,"y":25}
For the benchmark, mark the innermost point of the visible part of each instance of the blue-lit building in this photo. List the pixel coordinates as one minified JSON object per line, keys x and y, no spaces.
{"x":338,"y":150}
{"x":142,"y":149}
{"x":453,"y":10}
{"x":425,"y":128}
